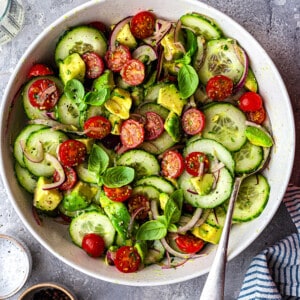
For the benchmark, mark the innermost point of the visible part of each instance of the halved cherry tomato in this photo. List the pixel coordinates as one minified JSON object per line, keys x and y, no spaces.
{"x":172,"y":164}
{"x":71,"y":153}
{"x":43,"y":94}
{"x":71,"y":178}
{"x":93,"y":244}
{"x":189,"y":243}
{"x":116,"y":59}
{"x":94,"y":64}
{"x":132,"y":133}
{"x":142,"y":25}
{"x":219,"y":87}
{"x":250,"y":101}
{"x":97,"y":127}
{"x":257,"y":116}
{"x":193,"y":121}
{"x":133,"y":72}
{"x":193,"y":163}
{"x":139,"y":205}
{"x":127,"y":259}
{"x":154,"y":126}
{"x":39,"y":70}
{"x":118,"y":194}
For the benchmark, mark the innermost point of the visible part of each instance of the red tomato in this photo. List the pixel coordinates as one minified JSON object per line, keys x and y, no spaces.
{"x":97,"y":127}
{"x":100,"y":26}
{"x":39,"y":70}
{"x":142,"y":25}
{"x":189,"y":243}
{"x":94,"y":64}
{"x":257,"y":116}
{"x":71,"y":153}
{"x":133,"y":72}
{"x":71,"y":178}
{"x":250,"y":101}
{"x":140,"y":205}
{"x":154,"y":126}
{"x":118,"y":194}
{"x":193,"y":121}
{"x":219,"y":87}
{"x":116,"y":59}
{"x":193,"y":162}
{"x":93,"y":244}
{"x":172,"y":164}
{"x":43,"y":94}
{"x":127,"y":259}
{"x":132,"y":133}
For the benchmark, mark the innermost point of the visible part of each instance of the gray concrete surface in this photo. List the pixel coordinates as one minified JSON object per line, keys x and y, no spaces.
{"x":276,"y":25}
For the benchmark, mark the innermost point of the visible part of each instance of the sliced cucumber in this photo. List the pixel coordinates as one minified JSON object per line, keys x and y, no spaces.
{"x":221,"y":58}
{"x":217,"y":196}
{"x":155,"y":253}
{"x":248,"y":158}
{"x":92,"y":222}
{"x":144,"y":163}
{"x":153,"y":107}
{"x":85,"y":175}
{"x":151,"y":192}
{"x":80,"y":39}
{"x":151,"y":93}
{"x":27,"y":180}
{"x":158,"y":182}
{"x":226,"y":124}
{"x":216,"y":217}
{"x":202,"y":25}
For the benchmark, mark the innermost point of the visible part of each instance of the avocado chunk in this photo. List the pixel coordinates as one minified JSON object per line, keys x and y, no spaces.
{"x":203,"y":184}
{"x":126,"y":38}
{"x":173,"y":126}
{"x":106,"y":80}
{"x":169,"y":97}
{"x":46,"y":200}
{"x":142,"y":249}
{"x":172,"y":50}
{"x":251,"y":82}
{"x":208,"y":233}
{"x":72,"y":67}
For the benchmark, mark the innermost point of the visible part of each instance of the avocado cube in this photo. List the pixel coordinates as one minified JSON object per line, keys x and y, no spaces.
{"x":126,"y":38}
{"x":106,"y":80}
{"x":203,"y":184}
{"x":208,"y":233}
{"x":173,"y":126}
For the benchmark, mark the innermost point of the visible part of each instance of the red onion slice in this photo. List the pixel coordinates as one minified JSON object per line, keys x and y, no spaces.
{"x":189,"y":225}
{"x":56,"y":125}
{"x":115,"y":31}
{"x":38,"y":157}
{"x":162,"y":27}
{"x":145,"y":50}
{"x":243,"y":57}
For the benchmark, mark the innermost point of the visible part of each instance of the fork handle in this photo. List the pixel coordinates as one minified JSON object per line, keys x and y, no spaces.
{"x":215,"y":282}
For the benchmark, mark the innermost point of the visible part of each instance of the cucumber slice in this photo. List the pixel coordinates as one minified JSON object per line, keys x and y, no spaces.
{"x":252,"y":198}
{"x":202,"y":25}
{"x":221,"y":58}
{"x":158,"y":182}
{"x":144,"y":163}
{"x":153,"y":107}
{"x":226,"y":124}
{"x":216,"y":217}
{"x":27,"y":180}
{"x":84,"y":174}
{"x":80,"y":39}
{"x":151,"y":93}
{"x":92,"y":222}
{"x":217,"y":196}
{"x":151,"y":192}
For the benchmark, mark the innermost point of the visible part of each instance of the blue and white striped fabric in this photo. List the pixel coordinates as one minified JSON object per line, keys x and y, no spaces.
{"x":275,"y":272}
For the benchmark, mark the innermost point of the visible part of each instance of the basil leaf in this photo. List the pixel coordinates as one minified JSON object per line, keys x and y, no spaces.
{"x":97,"y":98}
{"x":188,"y":81}
{"x":118,"y":176}
{"x":191,"y":42}
{"x":74,"y":90}
{"x":151,"y":230}
{"x":173,"y":207}
{"x":98,"y":160}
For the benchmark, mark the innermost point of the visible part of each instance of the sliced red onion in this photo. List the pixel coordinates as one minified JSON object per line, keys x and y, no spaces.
{"x":243,"y":57}
{"x":203,"y":218}
{"x":51,"y":115}
{"x":189,"y":225}
{"x":115,"y":31}
{"x":38,"y":157}
{"x":36,"y":216}
{"x":110,"y":257}
{"x":160,"y":62}
{"x":217,"y":167}
{"x":177,"y":31}
{"x":174,"y":252}
{"x":162,"y":27}
{"x":154,"y":209}
{"x":56,"y":125}
{"x":145,"y":50}
{"x":192,"y":192}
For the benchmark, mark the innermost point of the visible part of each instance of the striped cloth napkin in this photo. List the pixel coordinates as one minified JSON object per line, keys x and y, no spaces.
{"x":275,"y":272}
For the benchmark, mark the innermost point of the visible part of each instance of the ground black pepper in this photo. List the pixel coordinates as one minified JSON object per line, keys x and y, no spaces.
{"x":50,"y":294}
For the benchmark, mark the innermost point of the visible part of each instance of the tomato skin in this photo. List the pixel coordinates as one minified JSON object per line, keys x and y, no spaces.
{"x":133,"y":72}
{"x":94,"y":65}
{"x":189,"y":243}
{"x":219,"y":87}
{"x":71,"y":178}
{"x":71,"y":153}
{"x":97,"y":127}
{"x":172,"y":164}
{"x":142,"y":25}
{"x":43,"y":94}
{"x":132,"y":133}
{"x":119,"y":194}
{"x":39,"y":70}
{"x":258,"y":116}
{"x":116,"y":59}
{"x":127,"y":259}
{"x":154,"y":126}
{"x":93,"y":244}
{"x":193,"y":161}
{"x":137,"y":202}
{"x":250,"y":101}
{"x":193,"y":121}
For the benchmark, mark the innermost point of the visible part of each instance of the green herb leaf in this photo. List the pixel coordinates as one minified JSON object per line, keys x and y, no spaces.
{"x":97,"y":98}
{"x":118,"y":176}
{"x":74,"y":90}
{"x":151,"y":230}
{"x":188,"y":81}
{"x":98,"y":160}
{"x":173,"y":207}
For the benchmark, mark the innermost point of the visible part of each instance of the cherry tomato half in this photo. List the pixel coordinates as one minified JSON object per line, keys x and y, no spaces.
{"x":142,"y":25}
{"x":43,"y":94}
{"x":219,"y":87}
{"x":39,"y":70}
{"x":140,"y":205}
{"x":71,"y":178}
{"x":132,"y":133}
{"x":71,"y":153}
{"x":127,"y":259}
{"x":97,"y":127}
{"x":94,"y":64}
{"x":250,"y":101}
{"x":172,"y":164}
{"x":93,"y":244}
{"x":193,"y":121}
{"x":154,"y":126}
{"x":116,"y":59}
{"x":257,"y":116}
{"x":189,"y":243}
{"x":133,"y":72}
{"x":118,"y":194}
{"x":193,"y":163}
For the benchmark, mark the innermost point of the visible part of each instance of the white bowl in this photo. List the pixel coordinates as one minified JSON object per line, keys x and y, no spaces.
{"x":54,"y":236}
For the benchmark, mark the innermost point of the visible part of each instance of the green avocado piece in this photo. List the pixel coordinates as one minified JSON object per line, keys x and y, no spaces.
{"x":208,"y":233}
{"x":125,"y":37}
{"x":173,"y":126}
{"x":251,"y":82}
{"x":142,"y":249}
{"x":259,"y":136}
{"x":106,"y":80}
{"x":203,"y":184}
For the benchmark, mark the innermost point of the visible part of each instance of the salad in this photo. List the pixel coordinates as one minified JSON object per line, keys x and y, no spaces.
{"x":135,"y":136}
